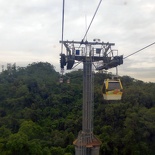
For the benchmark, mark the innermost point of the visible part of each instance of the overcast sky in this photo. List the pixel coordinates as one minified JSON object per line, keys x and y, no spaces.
{"x":30,"y":31}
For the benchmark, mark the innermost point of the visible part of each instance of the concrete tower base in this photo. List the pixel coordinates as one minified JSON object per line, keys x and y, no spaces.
{"x":87,"y":144}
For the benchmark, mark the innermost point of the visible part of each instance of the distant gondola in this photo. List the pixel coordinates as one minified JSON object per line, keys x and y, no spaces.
{"x":112,"y":89}
{"x":61,"y":80}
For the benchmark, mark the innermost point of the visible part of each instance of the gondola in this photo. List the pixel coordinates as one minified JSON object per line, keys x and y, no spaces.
{"x":112,"y":89}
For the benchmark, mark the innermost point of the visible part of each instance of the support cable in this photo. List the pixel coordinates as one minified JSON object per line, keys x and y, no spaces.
{"x":139,"y":50}
{"x":62,"y":35}
{"x":91,"y":22}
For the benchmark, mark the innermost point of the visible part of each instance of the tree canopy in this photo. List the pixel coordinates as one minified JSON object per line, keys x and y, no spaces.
{"x":40,"y":116}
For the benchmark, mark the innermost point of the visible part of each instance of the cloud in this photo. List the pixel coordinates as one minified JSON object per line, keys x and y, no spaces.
{"x":31,"y":29}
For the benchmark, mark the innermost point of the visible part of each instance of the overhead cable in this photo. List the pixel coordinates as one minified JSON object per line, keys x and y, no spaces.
{"x":63,"y":14}
{"x":92,"y":20}
{"x":139,"y":50}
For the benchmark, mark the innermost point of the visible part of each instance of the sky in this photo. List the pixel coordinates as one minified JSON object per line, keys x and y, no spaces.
{"x":30,"y":31}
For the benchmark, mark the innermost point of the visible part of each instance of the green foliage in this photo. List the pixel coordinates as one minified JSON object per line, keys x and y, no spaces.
{"x":17,"y":143}
{"x":40,"y":116}
{"x":57,"y":150}
{"x":34,"y":147}
{"x":70,"y":148}
{"x":31,"y":129}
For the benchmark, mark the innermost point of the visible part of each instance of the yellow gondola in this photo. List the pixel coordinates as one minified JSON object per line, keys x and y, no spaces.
{"x":112,"y":89}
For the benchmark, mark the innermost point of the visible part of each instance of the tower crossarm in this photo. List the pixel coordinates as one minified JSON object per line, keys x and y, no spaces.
{"x":101,"y":52}
{"x":87,"y":43}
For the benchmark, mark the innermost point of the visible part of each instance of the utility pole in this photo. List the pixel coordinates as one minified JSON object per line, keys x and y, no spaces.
{"x":88,"y":53}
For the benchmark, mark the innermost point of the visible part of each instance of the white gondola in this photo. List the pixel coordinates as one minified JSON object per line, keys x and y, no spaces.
{"x":61,"y":80}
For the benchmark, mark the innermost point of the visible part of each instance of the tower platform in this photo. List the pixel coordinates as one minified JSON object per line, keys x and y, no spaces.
{"x":87,"y":144}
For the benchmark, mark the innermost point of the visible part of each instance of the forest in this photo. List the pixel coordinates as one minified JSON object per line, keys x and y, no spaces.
{"x":40,"y":116}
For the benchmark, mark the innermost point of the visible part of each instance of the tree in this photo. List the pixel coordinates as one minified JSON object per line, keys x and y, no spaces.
{"x":31,"y":129}
{"x":18,"y":144}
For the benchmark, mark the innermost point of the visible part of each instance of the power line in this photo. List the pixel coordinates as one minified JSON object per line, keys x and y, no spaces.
{"x":139,"y":50}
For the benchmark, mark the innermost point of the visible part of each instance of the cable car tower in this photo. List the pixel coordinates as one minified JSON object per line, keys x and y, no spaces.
{"x":92,"y":54}
{"x":88,"y":53}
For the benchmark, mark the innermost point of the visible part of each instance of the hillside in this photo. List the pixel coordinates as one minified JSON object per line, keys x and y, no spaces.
{"x":40,"y":116}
